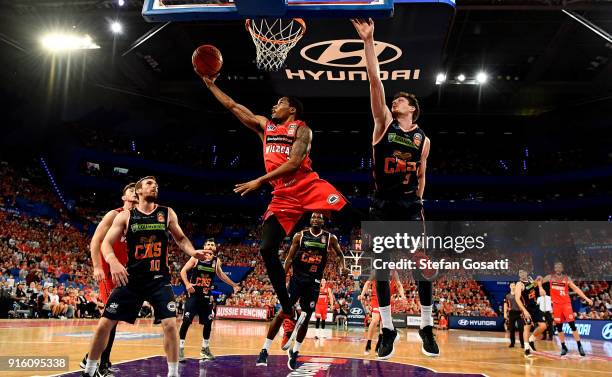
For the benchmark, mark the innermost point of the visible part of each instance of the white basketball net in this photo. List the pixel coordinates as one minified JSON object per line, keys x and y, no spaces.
{"x":273,"y":39}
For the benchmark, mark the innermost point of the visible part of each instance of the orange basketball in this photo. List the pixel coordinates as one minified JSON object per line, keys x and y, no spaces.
{"x":207,"y":60}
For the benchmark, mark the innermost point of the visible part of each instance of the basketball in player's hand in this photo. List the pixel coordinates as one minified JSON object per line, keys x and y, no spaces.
{"x":207,"y":61}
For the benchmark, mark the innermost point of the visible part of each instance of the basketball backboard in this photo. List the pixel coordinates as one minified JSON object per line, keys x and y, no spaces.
{"x":193,"y":10}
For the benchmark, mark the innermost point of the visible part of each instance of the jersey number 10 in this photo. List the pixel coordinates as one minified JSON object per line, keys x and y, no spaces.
{"x":155,"y":264}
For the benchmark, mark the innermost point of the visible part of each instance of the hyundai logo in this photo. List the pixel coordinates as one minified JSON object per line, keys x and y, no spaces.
{"x":356,"y":311}
{"x":606,"y":332}
{"x":348,"y":53}
{"x":462,"y":322}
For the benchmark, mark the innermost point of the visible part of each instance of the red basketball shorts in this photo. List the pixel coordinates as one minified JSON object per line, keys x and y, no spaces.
{"x":309,"y":193}
{"x":563,"y":313}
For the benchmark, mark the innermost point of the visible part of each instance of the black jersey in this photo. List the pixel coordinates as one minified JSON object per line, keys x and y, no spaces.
{"x":147,"y":240}
{"x":529,"y":296}
{"x":397,"y":157}
{"x":311,"y":256}
{"x":202,"y":276}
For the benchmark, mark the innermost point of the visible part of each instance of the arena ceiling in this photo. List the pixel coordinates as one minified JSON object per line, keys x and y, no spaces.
{"x":537,"y":57}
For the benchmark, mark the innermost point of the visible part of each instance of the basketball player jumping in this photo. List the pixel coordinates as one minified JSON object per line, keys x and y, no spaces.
{"x":101,"y":269}
{"x":308,"y":255}
{"x":297,"y":188}
{"x":199,"y":301}
{"x":562,"y":305}
{"x":400,"y":159}
{"x":147,"y":276}
{"x":526,"y":298}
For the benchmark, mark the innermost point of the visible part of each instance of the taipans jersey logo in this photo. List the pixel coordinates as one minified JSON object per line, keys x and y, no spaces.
{"x":344,"y":53}
{"x":161,"y":217}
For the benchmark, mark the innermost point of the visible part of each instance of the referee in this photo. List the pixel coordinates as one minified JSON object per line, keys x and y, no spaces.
{"x":546,"y":308}
{"x":512,"y":316}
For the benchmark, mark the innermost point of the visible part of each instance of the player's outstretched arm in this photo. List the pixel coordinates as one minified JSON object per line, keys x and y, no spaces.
{"x":299,"y":151}
{"x":578,"y":291}
{"x":95,"y":245}
{"x":244,"y":115}
{"x":423,"y":168}
{"x":180,"y":238}
{"x":118,"y":272}
{"x":381,"y":113}
{"x":224,"y":278}
{"x":295,"y":243}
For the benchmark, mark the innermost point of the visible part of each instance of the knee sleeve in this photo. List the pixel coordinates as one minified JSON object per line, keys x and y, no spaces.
{"x":572,"y":325}
{"x":559,"y":327}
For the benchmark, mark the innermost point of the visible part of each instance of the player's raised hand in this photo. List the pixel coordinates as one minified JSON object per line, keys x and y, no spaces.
{"x":245,"y":188}
{"x":118,"y":273}
{"x":364,"y":27}
{"x":236,"y":288}
{"x":208,"y":81}
{"x":589,"y":301}
{"x":98,"y":274}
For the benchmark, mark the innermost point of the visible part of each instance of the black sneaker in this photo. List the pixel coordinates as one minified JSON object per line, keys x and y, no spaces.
{"x":511,"y":346}
{"x":532,"y":345}
{"x":563,"y":351}
{"x":429,"y":347}
{"x":378,"y":343}
{"x":262,"y":361}
{"x":581,"y":350}
{"x":83,"y":362}
{"x":205,"y":354}
{"x":103,"y":372}
{"x":527,"y":352}
{"x":368,"y":348}
{"x":292,"y":361}
{"x":387,"y":341}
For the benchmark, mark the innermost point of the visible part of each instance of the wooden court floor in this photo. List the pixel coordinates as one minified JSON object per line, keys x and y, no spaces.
{"x":480,"y":353}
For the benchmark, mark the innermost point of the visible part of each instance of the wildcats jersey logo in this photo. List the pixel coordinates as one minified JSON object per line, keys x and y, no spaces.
{"x":284,"y":149}
{"x":271,"y":128}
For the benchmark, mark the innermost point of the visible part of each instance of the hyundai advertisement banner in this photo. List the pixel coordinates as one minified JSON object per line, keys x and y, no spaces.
{"x":477,"y":323}
{"x":329,"y":60}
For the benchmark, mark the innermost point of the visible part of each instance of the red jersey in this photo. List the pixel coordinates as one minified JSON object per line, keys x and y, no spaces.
{"x":277,"y":142}
{"x":121,"y":252}
{"x":323,"y":296}
{"x":559,"y":289}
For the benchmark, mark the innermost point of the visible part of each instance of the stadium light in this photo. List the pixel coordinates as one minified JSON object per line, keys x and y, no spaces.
{"x":440,"y":78}
{"x":59,"y":42}
{"x":121,"y":3}
{"x":482,"y":77}
{"x":116,"y":27}
{"x":461,"y":78}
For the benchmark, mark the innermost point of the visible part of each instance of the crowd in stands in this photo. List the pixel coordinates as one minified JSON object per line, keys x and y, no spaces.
{"x":51,"y":257}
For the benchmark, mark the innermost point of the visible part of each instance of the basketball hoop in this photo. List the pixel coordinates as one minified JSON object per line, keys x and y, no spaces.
{"x":273,"y":38}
